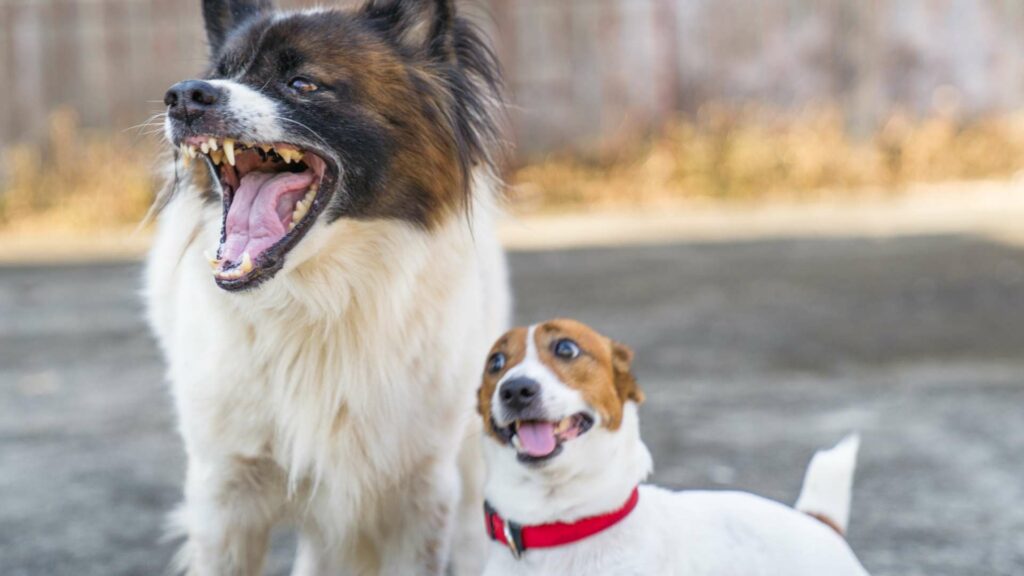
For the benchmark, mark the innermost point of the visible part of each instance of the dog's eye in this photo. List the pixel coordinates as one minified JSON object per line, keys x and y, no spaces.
{"x":302,"y":85}
{"x":496,"y":363}
{"x":567,"y":349}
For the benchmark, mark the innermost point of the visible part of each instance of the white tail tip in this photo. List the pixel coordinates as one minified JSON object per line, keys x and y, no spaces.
{"x":828,"y":484}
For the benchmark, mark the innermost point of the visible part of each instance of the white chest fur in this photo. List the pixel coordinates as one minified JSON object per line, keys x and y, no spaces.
{"x":352,"y":371}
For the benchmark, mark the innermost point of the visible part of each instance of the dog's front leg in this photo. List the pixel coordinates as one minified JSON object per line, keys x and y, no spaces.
{"x":230,"y":506}
{"x":421,"y":533}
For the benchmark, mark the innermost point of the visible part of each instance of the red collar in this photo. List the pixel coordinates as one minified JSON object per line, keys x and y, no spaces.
{"x":521,"y":538}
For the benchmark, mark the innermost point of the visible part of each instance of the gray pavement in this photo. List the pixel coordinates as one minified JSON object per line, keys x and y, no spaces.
{"x":752,"y":355}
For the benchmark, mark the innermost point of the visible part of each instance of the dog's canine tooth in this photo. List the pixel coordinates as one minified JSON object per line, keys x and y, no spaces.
{"x":516,"y":443}
{"x":229,"y":150}
{"x":186,"y":160}
{"x":212,"y":143}
{"x":205,"y":148}
{"x":246,"y":266}
{"x":192,"y":152}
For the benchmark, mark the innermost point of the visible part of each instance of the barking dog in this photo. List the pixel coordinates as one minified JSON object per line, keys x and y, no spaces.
{"x":565,"y":461}
{"x":335,"y":170}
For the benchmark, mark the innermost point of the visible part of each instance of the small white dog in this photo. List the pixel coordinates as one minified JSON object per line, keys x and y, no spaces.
{"x":565,"y":463}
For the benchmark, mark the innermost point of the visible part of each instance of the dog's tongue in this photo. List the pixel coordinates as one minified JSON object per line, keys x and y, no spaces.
{"x":261,"y":210}
{"x":537,"y":438}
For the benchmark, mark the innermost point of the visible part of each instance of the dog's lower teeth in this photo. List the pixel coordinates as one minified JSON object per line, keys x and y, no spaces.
{"x":302,"y":207}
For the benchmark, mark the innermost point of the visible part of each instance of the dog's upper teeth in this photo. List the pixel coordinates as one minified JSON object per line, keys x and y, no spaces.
{"x":205,"y":148}
{"x":212,"y":143}
{"x":290,"y":156}
{"x":186,"y":159}
{"x":229,"y":150}
{"x":217,"y":156}
{"x":192,"y":152}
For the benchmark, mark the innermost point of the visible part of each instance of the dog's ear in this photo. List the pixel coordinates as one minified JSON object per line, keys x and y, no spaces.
{"x":417,"y":25}
{"x":223,"y":16}
{"x":622,"y":366}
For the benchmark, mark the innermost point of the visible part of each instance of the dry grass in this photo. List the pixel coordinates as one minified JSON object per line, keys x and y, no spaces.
{"x":728,"y":154}
{"x":80,"y":181}
{"x":77,"y":181}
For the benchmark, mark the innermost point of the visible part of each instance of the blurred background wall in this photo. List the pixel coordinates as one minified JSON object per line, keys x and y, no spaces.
{"x":583,"y":72}
{"x":614,"y":102}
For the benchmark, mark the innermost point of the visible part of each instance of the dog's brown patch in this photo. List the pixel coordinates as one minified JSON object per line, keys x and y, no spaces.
{"x":602,"y":372}
{"x":396,"y":102}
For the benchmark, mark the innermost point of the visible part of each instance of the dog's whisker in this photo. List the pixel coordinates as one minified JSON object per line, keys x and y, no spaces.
{"x":307,"y":128}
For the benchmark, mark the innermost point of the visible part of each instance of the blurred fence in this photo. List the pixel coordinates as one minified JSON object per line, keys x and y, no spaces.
{"x":583,"y":72}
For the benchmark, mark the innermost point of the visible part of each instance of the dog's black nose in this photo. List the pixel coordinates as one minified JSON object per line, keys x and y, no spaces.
{"x":190,"y":98}
{"x":519,"y":393}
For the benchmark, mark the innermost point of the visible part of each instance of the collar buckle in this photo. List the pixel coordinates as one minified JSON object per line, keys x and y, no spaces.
{"x":513,"y":537}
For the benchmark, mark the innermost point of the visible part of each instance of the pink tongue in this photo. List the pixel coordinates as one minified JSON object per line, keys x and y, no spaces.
{"x":537,"y":438}
{"x":261,"y":211}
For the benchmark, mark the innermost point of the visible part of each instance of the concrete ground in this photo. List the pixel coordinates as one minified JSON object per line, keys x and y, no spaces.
{"x":753,"y":354}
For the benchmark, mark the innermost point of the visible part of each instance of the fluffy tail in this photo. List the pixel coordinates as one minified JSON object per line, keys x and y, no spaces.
{"x":829,"y":483}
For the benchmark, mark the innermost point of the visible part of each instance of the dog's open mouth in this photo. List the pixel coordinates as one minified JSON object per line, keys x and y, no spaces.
{"x":273,"y":193}
{"x":540,"y":440}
